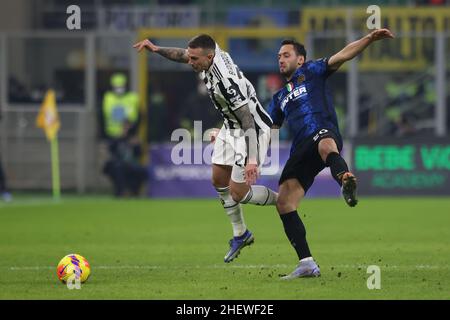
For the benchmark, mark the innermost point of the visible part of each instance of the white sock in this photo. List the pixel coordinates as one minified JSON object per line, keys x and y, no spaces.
{"x":307,"y":259}
{"x":233,"y":210}
{"x":261,"y":196}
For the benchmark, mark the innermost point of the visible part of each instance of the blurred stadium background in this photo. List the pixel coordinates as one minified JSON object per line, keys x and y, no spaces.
{"x":393,"y":109}
{"x":394,"y":94}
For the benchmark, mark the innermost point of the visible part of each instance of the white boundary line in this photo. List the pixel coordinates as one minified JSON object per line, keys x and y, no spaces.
{"x":262,"y":266}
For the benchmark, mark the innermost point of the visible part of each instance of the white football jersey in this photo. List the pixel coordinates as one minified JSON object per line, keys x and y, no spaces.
{"x":229,"y":90}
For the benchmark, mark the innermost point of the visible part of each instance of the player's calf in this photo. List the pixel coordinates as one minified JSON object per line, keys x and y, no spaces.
{"x":337,"y":165}
{"x":258,"y":195}
{"x":233,"y":210}
{"x":347,"y":181}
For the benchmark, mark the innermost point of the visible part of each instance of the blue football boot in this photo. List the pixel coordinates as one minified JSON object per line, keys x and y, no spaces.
{"x":236,"y":245}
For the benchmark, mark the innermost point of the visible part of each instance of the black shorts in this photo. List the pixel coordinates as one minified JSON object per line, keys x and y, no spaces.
{"x":305,"y":163}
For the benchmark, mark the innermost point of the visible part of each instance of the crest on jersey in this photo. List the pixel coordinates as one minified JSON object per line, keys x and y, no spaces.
{"x":301,"y":78}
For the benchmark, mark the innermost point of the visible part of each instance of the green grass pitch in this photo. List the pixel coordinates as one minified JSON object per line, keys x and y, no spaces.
{"x":173,"y":249}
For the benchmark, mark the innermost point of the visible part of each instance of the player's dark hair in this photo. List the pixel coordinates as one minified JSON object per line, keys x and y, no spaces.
{"x":203,"y":41}
{"x":298,"y":47}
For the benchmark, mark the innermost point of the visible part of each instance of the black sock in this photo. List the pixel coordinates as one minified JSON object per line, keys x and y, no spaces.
{"x":296,"y":233}
{"x":337,"y":165}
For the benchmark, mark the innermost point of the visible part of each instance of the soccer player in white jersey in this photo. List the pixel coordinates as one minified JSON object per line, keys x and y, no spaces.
{"x":242,"y":142}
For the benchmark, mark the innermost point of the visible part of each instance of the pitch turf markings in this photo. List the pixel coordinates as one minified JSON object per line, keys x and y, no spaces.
{"x":262,"y":266}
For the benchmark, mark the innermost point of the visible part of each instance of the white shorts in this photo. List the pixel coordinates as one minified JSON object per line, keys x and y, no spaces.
{"x":230,"y":150}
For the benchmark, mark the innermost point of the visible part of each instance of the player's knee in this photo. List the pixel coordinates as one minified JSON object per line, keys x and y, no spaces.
{"x":327,"y":146}
{"x":284,"y":205}
{"x":236,"y":195}
{"x":217,"y":182}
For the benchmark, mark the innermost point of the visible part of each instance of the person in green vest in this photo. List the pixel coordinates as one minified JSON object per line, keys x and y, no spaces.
{"x":120,"y":109}
{"x":121,"y":119}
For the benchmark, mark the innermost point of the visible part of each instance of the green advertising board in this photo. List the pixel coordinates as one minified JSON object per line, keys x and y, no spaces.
{"x":402,"y":167}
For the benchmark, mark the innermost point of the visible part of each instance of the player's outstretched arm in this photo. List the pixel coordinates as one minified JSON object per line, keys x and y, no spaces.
{"x":356,"y":47}
{"x":174,"y":54}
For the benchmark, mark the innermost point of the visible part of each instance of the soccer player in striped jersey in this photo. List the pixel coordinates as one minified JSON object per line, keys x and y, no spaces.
{"x":241,"y":144}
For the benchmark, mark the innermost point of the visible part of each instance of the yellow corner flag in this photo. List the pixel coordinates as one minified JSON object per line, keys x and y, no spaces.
{"x":48,"y":120}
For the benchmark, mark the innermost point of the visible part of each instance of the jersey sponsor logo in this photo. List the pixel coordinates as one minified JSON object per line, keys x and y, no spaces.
{"x":294,"y":95}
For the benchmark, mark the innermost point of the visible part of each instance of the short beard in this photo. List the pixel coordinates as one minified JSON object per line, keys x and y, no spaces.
{"x":288,"y":74}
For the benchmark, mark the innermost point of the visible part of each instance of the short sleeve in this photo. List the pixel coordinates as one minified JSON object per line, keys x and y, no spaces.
{"x":320,"y":67}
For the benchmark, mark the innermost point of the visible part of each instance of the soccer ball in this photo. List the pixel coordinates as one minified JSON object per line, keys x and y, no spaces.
{"x":73,"y":264}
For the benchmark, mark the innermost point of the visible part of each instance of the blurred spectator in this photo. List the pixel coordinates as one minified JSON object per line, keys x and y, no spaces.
{"x":401,"y":119}
{"x":124,"y":169}
{"x":174,"y":2}
{"x":120,"y":109}
{"x":18,"y":92}
{"x":158,"y":116}
{"x":121,"y":118}
{"x":427,"y":92}
{"x":339,"y":107}
{"x":4,"y":193}
{"x":268,"y":85}
{"x":430,"y":2}
{"x":198,"y":108}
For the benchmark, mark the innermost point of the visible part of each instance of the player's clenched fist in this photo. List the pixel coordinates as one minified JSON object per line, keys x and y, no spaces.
{"x":147,"y":44}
